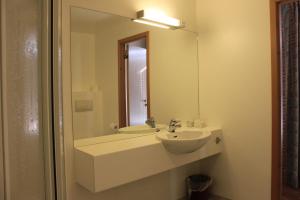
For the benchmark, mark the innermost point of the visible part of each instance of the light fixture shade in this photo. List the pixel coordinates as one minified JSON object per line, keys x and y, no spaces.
{"x":158,"y":19}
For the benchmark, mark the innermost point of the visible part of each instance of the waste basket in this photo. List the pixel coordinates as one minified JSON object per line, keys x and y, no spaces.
{"x":197,"y":187}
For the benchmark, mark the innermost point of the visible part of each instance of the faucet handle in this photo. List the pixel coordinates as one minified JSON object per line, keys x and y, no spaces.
{"x":151,"y":122}
{"x":174,"y":121}
{"x":173,"y":125}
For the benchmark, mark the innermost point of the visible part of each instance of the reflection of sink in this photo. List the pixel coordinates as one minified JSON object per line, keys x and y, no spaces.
{"x":141,"y":129}
{"x":184,"y":140}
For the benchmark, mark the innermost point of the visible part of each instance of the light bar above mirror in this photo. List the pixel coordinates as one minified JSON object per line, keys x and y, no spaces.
{"x":158,"y":19}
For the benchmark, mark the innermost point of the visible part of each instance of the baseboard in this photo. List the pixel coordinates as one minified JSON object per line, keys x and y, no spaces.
{"x":213,"y":197}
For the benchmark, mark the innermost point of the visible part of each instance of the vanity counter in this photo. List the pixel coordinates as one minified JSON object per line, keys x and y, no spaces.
{"x":102,"y":166}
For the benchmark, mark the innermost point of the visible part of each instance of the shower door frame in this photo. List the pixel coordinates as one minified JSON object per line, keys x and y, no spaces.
{"x":50,"y":115}
{"x":57,"y":107}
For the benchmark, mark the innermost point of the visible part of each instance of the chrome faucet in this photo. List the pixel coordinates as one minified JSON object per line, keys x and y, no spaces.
{"x":151,"y":122}
{"x":173,"y":125}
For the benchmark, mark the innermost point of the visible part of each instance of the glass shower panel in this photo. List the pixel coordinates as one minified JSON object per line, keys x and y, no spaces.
{"x":137,"y":73}
{"x":24,"y":164}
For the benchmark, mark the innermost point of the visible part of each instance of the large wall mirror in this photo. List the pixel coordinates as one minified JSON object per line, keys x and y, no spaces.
{"x":124,"y":73}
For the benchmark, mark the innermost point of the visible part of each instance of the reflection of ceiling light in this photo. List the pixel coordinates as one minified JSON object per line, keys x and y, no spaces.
{"x":151,"y":23}
{"x":158,"y":19}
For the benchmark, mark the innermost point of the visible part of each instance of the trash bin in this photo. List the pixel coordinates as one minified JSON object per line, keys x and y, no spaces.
{"x":197,"y":187}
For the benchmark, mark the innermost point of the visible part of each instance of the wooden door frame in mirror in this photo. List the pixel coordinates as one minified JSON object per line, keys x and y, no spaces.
{"x":121,"y":76}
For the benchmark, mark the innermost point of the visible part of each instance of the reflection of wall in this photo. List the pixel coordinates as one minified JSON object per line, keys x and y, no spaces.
{"x":174,"y":75}
{"x":87,"y":123}
{"x":235,"y":92}
{"x":83,"y":61}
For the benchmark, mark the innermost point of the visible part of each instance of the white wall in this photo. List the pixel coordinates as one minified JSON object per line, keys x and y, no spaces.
{"x":235,"y":92}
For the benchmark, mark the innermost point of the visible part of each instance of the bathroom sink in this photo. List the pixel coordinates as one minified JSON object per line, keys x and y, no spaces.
{"x":183,"y":140}
{"x":141,"y":129}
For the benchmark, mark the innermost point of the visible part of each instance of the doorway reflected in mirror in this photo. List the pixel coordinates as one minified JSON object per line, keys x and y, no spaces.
{"x":134,"y":97}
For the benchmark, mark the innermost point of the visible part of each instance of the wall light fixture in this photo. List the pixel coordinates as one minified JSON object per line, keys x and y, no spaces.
{"x":158,"y":19}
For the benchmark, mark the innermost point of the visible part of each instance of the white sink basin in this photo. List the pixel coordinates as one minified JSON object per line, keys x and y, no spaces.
{"x":141,"y":129}
{"x":184,"y":140}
